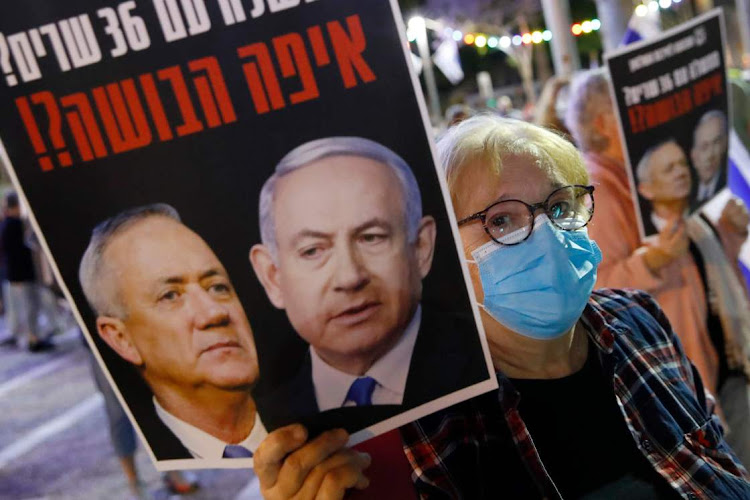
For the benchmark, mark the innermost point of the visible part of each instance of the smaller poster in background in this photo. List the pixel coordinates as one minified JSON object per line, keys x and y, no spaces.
{"x":673,"y":107}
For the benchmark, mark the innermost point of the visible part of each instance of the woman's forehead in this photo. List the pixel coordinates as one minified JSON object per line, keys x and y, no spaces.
{"x":520,"y":177}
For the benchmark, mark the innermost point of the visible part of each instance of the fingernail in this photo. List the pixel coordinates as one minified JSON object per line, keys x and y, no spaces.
{"x":342,"y":435}
{"x":366,"y":458}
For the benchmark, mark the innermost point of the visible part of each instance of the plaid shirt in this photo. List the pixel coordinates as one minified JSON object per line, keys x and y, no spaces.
{"x":453,"y":453}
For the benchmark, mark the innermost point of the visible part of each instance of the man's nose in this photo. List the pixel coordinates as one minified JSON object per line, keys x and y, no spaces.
{"x":350,"y":273}
{"x":208,"y":312}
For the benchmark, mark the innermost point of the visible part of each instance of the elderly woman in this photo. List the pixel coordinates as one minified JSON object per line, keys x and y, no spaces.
{"x":596,"y":397}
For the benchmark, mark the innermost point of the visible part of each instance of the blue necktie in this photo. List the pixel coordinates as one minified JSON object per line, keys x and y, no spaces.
{"x":236,"y":451}
{"x":361,"y":391}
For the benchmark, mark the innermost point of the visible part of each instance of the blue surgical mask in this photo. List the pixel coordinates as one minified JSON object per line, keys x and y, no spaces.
{"x":540,"y":287}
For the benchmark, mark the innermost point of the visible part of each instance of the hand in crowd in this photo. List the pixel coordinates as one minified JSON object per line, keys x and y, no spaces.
{"x":671,"y":243}
{"x":289,"y":467}
{"x":735,"y":217}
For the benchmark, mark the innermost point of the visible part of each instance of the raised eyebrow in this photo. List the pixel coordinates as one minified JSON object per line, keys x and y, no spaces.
{"x":309,"y":233}
{"x":177,"y":280}
{"x":211,"y":273}
{"x":375,"y":222}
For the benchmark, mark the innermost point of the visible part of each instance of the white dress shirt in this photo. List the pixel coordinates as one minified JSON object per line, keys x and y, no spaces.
{"x":203,"y":445}
{"x":660,"y":222}
{"x":390,"y":373}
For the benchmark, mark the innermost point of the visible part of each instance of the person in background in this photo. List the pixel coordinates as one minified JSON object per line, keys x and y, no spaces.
{"x":122,"y":436}
{"x":20,"y":290}
{"x":550,"y":109}
{"x":456,"y":113}
{"x":667,"y":264}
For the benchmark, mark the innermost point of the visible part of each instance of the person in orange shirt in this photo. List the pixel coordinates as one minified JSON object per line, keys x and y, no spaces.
{"x":664,"y":264}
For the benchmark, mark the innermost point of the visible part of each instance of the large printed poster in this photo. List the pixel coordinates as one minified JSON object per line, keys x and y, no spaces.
{"x":673,"y":105}
{"x":240,"y":199}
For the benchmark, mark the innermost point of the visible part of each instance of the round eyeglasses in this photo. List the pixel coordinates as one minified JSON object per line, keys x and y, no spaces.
{"x":510,"y":222}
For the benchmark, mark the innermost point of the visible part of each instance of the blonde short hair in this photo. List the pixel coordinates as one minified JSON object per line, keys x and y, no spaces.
{"x":491,"y":139}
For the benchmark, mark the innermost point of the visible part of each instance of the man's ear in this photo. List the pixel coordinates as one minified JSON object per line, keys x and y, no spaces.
{"x":268,"y":273}
{"x":425,"y":244}
{"x":115,"y":334}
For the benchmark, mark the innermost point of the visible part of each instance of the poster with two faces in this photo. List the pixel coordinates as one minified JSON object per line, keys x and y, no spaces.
{"x":241,"y":202}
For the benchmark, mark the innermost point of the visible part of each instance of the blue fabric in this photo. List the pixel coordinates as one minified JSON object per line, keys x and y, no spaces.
{"x":740,"y":186}
{"x":361,"y":391}
{"x":631,"y":36}
{"x":538,"y":288}
{"x":236,"y":451}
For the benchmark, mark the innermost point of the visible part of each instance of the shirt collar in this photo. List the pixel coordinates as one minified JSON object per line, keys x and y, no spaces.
{"x":390,"y":371}
{"x":203,"y":445}
{"x":660,"y":222}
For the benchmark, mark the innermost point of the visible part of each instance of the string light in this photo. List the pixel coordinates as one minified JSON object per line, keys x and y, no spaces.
{"x":481,"y":40}
{"x":642,"y":9}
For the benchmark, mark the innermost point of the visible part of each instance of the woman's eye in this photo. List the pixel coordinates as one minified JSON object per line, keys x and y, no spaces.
{"x":500,"y":220}
{"x":558,"y":209}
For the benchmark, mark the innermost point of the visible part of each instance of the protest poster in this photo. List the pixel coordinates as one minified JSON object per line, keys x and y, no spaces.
{"x":673,"y":106}
{"x":219,"y":312}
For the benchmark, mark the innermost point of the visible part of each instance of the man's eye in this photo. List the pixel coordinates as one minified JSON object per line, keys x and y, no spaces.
{"x":221,"y":288}
{"x":169,"y":296}
{"x":372,"y":238}
{"x":310,"y":252}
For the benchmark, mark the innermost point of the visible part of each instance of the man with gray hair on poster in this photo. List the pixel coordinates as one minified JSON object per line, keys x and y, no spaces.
{"x":344,"y":250}
{"x":707,"y":154}
{"x":165,"y":304}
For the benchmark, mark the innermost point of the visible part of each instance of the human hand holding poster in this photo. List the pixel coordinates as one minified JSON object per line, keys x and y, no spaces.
{"x":196,"y":167}
{"x":672,"y":102}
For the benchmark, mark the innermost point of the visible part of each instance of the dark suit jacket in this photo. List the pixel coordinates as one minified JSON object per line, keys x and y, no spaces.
{"x":447,"y":357}
{"x":694,"y":201}
{"x":164,"y":444}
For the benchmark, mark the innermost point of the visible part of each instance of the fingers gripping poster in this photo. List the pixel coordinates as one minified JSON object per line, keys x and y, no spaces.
{"x":241,"y":201}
